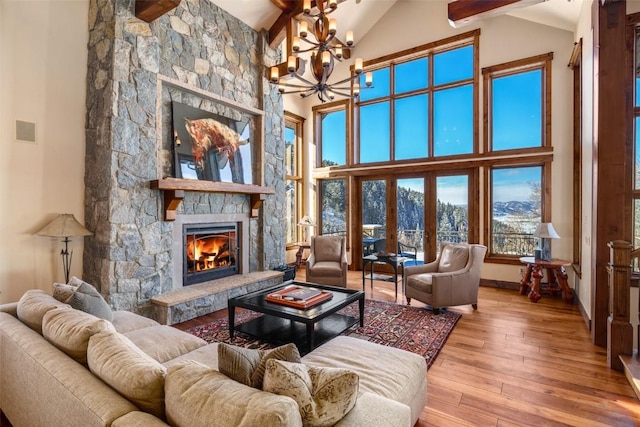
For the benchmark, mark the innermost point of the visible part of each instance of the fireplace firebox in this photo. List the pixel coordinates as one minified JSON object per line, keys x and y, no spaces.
{"x":211,"y":251}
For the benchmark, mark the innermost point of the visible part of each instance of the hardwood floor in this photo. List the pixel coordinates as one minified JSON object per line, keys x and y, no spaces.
{"x":515,"y":363}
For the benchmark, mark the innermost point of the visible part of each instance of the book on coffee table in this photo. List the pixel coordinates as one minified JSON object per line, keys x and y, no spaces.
{"x":299,"y":296}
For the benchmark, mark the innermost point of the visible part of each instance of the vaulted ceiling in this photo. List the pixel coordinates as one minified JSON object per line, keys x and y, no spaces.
{"x":361,"y":15}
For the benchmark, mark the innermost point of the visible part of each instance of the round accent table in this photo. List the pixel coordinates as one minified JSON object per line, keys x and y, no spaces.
{"x":556,"y":275}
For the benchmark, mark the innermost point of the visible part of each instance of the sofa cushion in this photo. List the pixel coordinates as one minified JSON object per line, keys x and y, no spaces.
{"x":324,"y":395}
{"x":117,"y":361}
{"x":328,"y":268}
{"x":33,"y":305}
{"x":247,"y":366}
{"x":163,"y":342}
{"x":453,"y":258}
{"x":126,"y":321}
{"x":386,"y":371}
{"x":87,"y":298}
{"x":62,"y":291}
{"x":70,"y":330}
{"x":198,"y":396}
{"x":207,"y":355}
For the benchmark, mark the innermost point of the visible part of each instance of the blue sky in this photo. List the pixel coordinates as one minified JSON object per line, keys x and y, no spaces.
{"x":516,"y":121}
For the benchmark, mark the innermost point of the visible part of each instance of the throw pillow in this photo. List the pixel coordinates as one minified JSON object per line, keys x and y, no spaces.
{"x":62,"y":291}
{"x":117,"y":361}
{"x":87,"y":298}
{"x":69,"y":330}
{"x":247,"y":366}
{"x":324,"y":395}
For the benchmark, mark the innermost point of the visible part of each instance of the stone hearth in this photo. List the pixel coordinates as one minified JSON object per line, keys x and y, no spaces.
{"x":194,"y":301}
{"x":212,"y":57}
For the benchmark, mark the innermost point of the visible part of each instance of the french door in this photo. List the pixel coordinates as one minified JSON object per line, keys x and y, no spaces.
{"x":419,"y":211}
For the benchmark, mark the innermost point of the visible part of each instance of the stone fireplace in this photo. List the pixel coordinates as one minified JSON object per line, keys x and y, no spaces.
{"x":201,"y":56}
{"x":186,"y":272}
{"x":209,"y":251}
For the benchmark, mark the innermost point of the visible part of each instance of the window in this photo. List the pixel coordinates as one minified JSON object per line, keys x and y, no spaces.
{"x":518,"y":121}
{"x":516,"y":95}
{"x":331,"y":124}
{"x":333,"y":205}
{"x":293,"y":134}
{"x":516,"y":209}
{"x":422,"y":104}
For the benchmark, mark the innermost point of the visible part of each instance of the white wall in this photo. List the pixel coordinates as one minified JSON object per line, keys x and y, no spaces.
{"x":43,"y":62}
{"x":584,"y":31}
{"x":411,"y":23}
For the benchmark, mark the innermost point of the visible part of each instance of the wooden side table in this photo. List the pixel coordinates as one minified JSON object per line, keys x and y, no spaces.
{"x":556,"y":275}
{"x":301,"y":247}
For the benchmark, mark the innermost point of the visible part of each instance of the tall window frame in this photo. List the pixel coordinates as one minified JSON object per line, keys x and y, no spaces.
{"x":540,"y":63}
{"x":390,"y":98}
{"x":320,"y":113}
{"x":518,"y":157}
{"x":294,"y":188}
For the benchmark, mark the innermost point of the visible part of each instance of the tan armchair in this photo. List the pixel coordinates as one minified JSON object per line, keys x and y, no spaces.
{"x":452,"y":279}
{"x":327,"y":262}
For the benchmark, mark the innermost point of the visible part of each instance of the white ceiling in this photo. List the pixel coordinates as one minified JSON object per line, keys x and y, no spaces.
{"x":361,"y":15}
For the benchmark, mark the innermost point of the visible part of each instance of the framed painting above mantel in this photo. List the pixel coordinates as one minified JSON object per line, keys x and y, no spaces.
{"x":210,"y":146}
{"x":229,"y":146}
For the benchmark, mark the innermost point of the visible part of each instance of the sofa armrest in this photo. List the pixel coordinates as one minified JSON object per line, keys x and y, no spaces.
{"x":373,"y":410}
{"x":138,"y":419}
{"x":11,"y":308}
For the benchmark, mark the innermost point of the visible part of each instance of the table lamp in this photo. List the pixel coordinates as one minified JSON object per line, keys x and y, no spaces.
{"x":65,"y":225}
{"x":306,"y":222}
{"x":545,"y":232}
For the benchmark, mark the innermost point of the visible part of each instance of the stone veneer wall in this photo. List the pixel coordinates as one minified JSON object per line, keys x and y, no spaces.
{"x":129,"y":258}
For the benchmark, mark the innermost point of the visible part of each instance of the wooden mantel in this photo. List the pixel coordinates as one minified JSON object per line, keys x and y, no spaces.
{"x":174,"y":189}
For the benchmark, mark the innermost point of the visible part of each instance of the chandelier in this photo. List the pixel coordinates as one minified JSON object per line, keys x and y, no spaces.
{"x":324,"y":48}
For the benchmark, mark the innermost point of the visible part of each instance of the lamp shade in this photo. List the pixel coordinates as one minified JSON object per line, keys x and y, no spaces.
{"x":65,"y":225}
{"x":306,"y":221}
{"x":546,"y":230}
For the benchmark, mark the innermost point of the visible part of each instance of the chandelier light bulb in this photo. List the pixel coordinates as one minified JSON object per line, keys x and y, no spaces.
{"x":333,"y":26}
{"x":356,"y":89}
{"x":358,"y":66}
{"x":274,"y":74}
{"x":333,"y":4}
{"x":338,"y":51}
{"x":291,"y":64}
{"x":296,"y":44}
{"x":368,"y":78}
{"x":349,"y":38}
{"x":303,"y":29}
{"x":306,"y":6}
{"x":326,"y":58}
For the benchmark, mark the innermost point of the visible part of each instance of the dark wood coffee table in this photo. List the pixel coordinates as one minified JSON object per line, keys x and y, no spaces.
{"x":307,"y":328}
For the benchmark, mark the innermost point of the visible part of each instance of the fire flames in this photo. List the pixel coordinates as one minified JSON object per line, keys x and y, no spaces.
{"x":209,"y":253}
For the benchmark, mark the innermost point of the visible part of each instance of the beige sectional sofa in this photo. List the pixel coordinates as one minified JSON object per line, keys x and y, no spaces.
{"x":132,"y":371}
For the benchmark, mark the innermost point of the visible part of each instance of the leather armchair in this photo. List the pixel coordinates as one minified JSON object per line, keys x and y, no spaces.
{"x":327,"y":262}
{"x":452,"y":279}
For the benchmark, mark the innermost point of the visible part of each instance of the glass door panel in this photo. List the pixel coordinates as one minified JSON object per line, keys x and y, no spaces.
{"x":452,"y":209}
{"x":410,"y":221}
{"x":374,"y":216}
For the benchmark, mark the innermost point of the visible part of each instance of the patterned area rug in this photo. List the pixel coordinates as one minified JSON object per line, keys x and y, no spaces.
{"x":409,"y":328}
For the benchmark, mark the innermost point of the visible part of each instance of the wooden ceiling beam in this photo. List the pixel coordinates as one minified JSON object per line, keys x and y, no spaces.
{"x":463,"y":12}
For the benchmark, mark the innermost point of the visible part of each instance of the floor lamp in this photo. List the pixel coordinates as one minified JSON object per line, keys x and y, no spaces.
{"x":65,"y":225}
